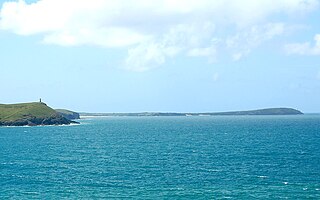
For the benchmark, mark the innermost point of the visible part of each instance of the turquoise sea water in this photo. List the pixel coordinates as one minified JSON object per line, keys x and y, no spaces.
{"x":244,"y":157}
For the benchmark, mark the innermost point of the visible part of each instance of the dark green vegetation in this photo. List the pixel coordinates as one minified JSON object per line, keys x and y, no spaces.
{"x":68,"y":114}
{"x":268,"y":111}
{"x":31,"y":114}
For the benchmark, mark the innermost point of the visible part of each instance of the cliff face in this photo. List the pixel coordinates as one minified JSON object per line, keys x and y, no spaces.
{"x":38,"y":121}
{"x":30,"y":114}
{"x":68,"y":114}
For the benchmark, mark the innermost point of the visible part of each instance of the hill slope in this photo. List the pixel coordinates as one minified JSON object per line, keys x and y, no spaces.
{"x":267,"y":111}
{"x":31,"y":114}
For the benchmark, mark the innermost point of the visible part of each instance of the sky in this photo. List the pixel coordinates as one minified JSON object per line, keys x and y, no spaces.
{"x":161,"y":55}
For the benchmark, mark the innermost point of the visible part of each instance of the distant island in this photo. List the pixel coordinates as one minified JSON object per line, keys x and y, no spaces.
{"x":31,"y":114}
{"x":267,"y":111}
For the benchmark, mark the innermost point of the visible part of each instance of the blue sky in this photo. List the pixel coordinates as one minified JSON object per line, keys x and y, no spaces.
{"x":160,"y":55}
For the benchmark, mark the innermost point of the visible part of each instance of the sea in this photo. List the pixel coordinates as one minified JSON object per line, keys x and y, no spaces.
{"x":196,"y":157}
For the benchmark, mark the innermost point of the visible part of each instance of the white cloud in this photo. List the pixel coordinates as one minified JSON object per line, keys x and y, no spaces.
{"x":208,"y":51}
{"x":242,"y":43}
{"x":305,"y":48}
{"x":146,"y":56}
{"x":159,"y":29}
{"x":111,"y":37}
{"x":189,"y":38}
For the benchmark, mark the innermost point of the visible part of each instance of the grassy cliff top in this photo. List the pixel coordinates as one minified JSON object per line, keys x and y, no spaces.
{"x":13,"y":112}
{"x":64,"y":111}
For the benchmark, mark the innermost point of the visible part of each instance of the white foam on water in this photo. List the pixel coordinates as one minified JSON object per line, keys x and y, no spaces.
{"x":27,"y":126}
{"x":31,"y":192}
{"x":214,"y":170}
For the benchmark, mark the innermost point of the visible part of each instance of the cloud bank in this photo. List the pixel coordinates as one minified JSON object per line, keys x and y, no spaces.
{"x":153,"y":31}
